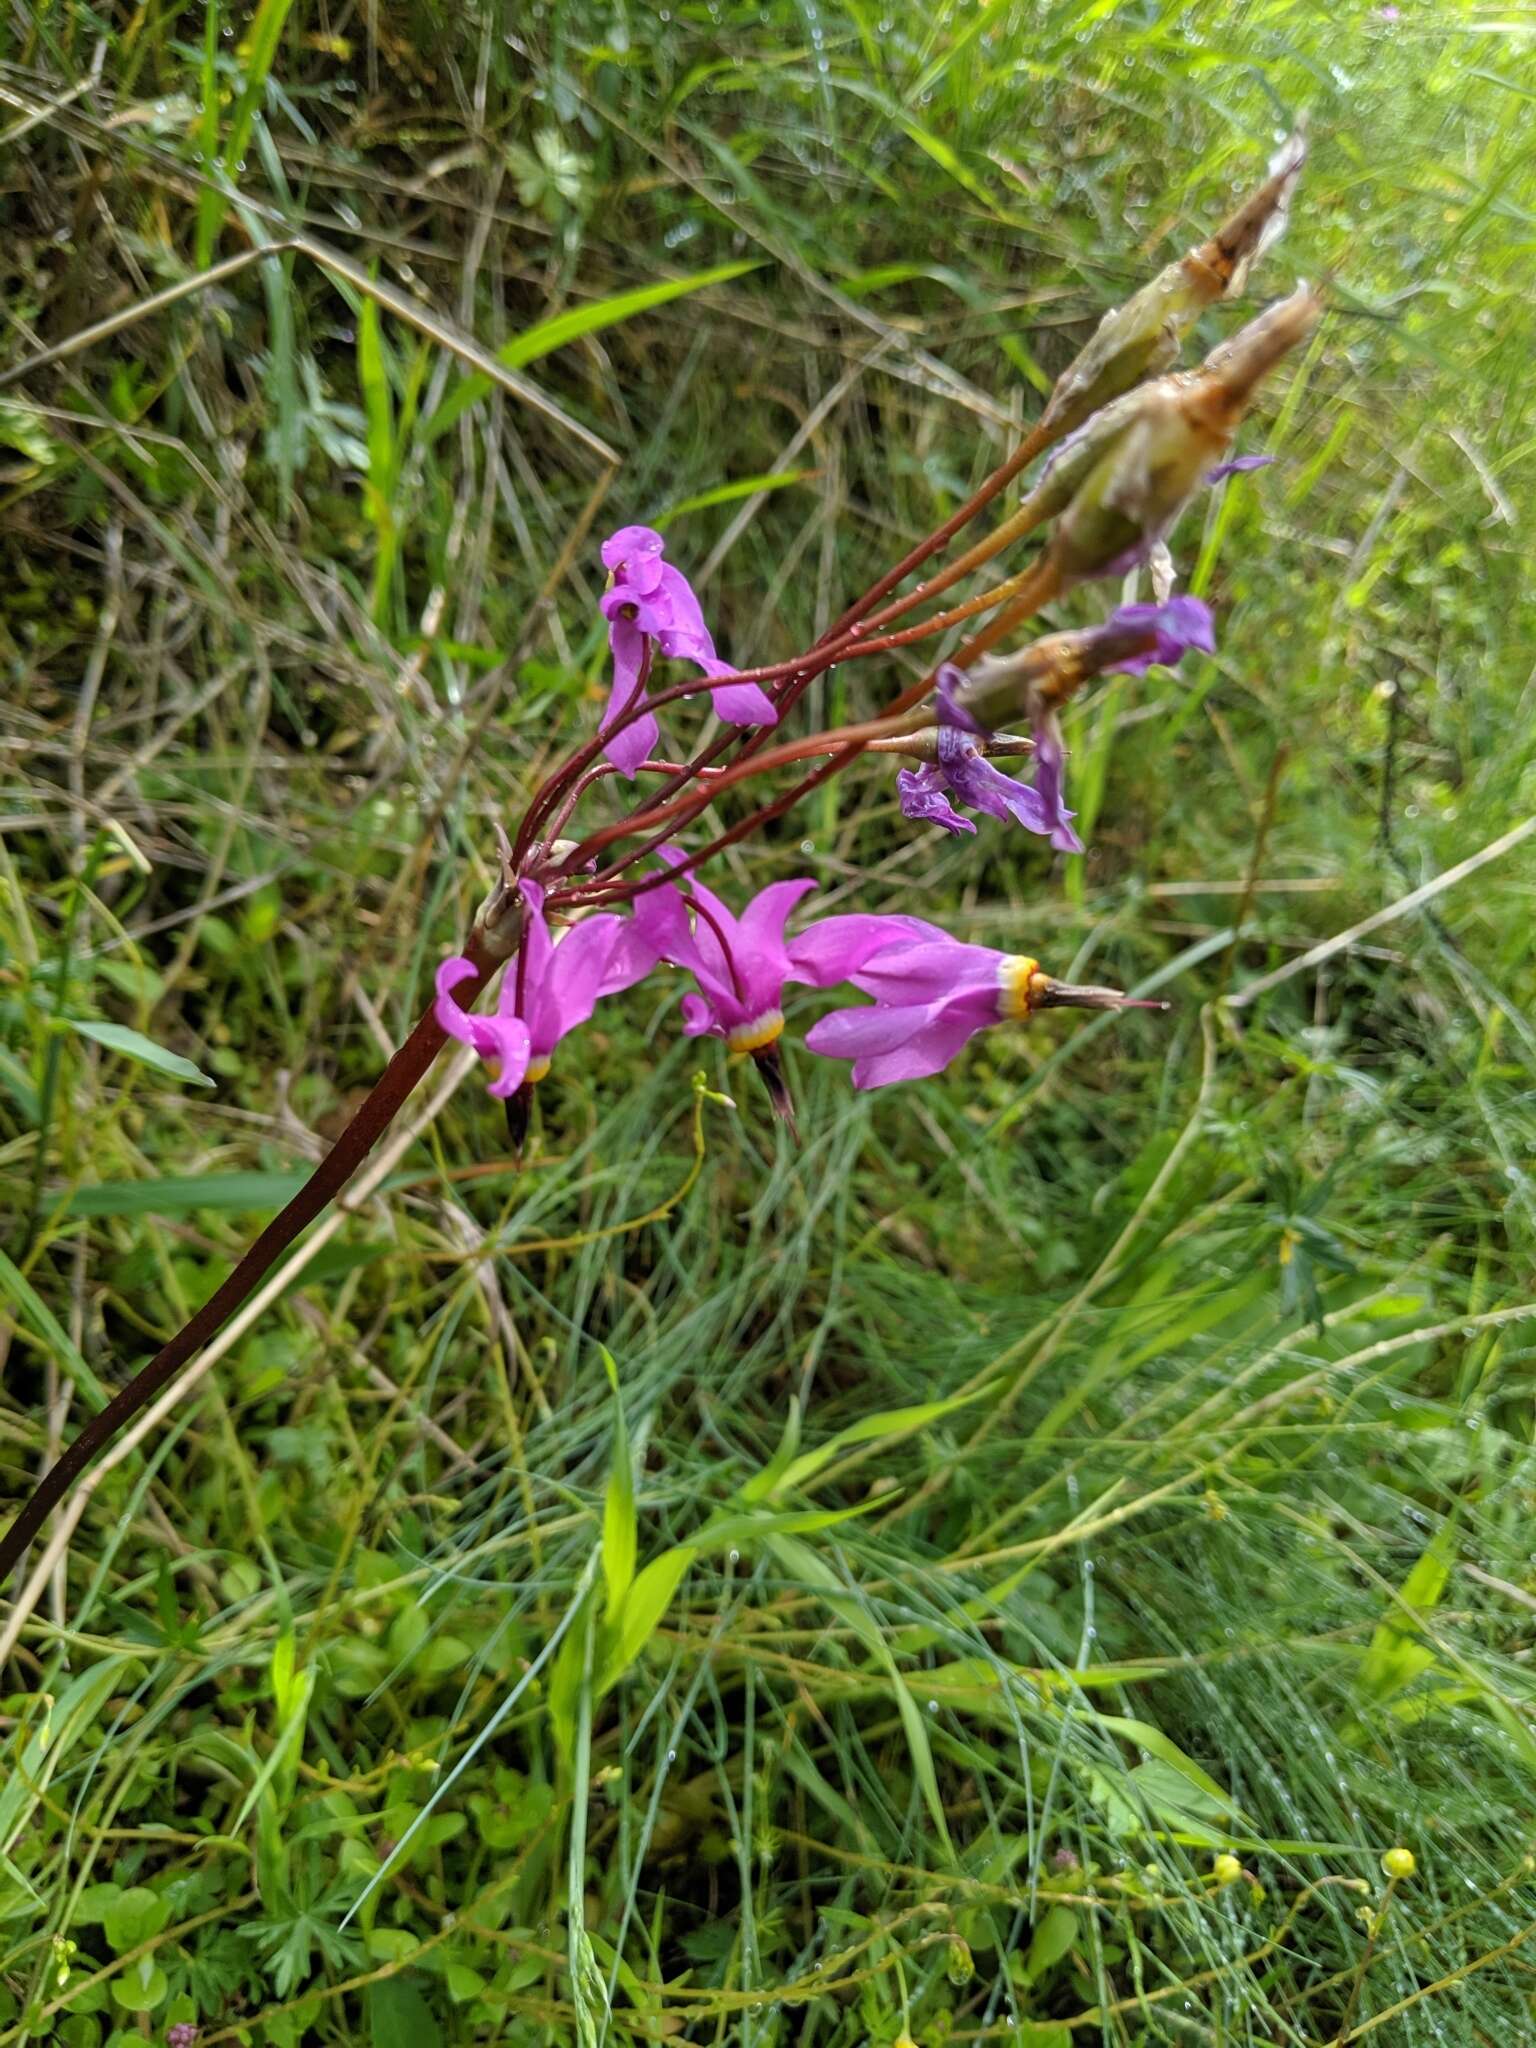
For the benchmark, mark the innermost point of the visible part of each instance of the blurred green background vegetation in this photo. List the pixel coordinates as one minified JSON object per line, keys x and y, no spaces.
{"x":1163,"y":1484}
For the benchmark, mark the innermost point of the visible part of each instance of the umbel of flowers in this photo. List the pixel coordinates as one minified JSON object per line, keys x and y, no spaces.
{"x":576,"y":921}
{"x":1130,"y":441}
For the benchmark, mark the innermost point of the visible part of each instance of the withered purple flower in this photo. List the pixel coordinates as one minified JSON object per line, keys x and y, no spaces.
{"x":962,"y":770}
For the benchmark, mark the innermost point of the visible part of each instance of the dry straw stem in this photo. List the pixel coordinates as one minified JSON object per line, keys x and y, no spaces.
{"x":1414,"y":900}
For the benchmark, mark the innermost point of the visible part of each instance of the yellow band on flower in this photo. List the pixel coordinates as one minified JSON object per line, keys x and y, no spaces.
{"x":756,"y":1032}
{"x":1022,"y":985}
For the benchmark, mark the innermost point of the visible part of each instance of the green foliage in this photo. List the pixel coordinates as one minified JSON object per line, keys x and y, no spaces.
{"x":1111,"y":1458}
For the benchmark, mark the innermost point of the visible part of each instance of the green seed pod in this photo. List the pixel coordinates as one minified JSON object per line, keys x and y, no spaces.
{"x":1142,"y":338}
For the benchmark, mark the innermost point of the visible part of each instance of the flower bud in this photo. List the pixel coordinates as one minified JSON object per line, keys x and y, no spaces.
{"x":1226,"y":1869}
{"x":958,"y":1965}
{"x":1399,"y":1863}
{"x":1141,"y":338}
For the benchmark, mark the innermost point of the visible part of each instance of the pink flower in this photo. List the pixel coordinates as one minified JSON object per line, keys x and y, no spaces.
{"x":650,"y":605}
{"x":933,"y":993}
{"x":742,"y":964}
{"x":546,"y":993}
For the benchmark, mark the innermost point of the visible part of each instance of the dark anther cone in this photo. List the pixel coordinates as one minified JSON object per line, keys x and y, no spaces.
{"x":770,"y":1065}
{"x":1062,"y":995}
{"x":519,"y":1108}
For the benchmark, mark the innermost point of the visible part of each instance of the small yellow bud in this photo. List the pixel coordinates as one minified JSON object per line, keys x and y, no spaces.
{"x":1226,"y":1869}
{"x":1399,"y":1863}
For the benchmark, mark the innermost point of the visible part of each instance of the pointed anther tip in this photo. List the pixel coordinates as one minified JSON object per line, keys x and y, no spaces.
{"x":769,"y":1063}
{"x":1063,"y":995}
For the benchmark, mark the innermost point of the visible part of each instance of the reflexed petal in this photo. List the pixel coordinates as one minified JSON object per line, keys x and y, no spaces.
{"x":761,"y":926}
{"x":1236,"y":465}
{"x":835,"y":947}
{"x":699,"y":1017}
{"x":634,"y":555}
{"x":632,"y":958}
{"x":501,"y":1039}
{"x":927,"y":1052}
{"x":741,"y":703}
{"x":921,"y":793}
{"x":532,"y":970}
{"x":628,"y":748}
{"x":931,"y":971}
{"x":510,"y":1049}
{"x":898,"y":1044}
{"x":568,"y":993}
{"x":871,"y":1028}
{"x":662,"y":926}
{"x":452,"y":1017}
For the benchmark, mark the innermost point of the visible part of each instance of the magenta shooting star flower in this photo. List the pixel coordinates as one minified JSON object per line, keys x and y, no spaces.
{"x":963,"y":771}
{"x":545,"y":993}
{"x":932,"y":994}
{"x":650,"y":605}
{"x":743,"y":963}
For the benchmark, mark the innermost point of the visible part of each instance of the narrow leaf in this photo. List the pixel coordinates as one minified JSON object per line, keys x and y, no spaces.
{"x":569,"y":326}
{"x":133,"y":1045}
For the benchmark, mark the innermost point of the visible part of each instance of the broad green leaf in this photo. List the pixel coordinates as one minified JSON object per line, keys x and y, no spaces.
{"x":1158,"y":1745}
{"x":133,"y":1045}
{"x":133,"y":1916}
{"x":1053,"y":1938}
{"x":645,"y":1603}
{"x":399,"y":2017}
{"x":570,"y":326}
{"x":179,"y":1197}
{"x":141,"y":1987}
{"x":1173,"y":1797}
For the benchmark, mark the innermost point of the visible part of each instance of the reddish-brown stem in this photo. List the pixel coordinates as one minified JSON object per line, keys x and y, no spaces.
{"x":1035,"y":587}
{"x":324,"y":1184}
{"x":569,"y":781}
{"x":837,"y":643}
